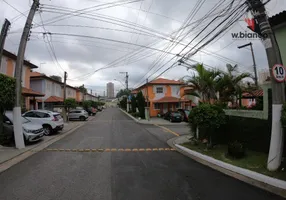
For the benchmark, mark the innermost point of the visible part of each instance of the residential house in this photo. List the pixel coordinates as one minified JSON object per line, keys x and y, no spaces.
{"x":250,"y":99}
{"x":278,"y":25}
{"x":164,"y":95}
{"x":48,"y":86}
{"x":29,"y":95}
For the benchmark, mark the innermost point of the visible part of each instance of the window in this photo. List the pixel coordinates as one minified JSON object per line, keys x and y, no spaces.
{"x":30,"y":114}
{"x":159,"y":90}
{"x":42,"y":115}
{"x":156,"y":106}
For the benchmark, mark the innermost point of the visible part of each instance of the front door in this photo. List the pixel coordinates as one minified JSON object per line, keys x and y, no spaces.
{"x":165,"y":107}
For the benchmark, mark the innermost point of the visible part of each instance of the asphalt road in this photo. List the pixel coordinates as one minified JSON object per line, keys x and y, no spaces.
{"x":165,"y":175}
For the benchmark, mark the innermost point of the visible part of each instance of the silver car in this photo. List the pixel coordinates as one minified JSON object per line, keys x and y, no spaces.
{"x":81,"y":115}
{"x":31,"y":132}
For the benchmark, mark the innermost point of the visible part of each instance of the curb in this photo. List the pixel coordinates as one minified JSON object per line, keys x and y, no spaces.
{"x":140,"y":122}
{"x":264,"y":182}
{"x":24,"y":155}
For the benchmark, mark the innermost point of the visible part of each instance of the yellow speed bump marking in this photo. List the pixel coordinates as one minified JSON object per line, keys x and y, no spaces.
{"x":109,"y":150}
{"x":168,"y":130}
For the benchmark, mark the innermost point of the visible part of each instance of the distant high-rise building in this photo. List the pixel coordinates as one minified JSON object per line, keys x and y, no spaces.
{"x":110,"y":90}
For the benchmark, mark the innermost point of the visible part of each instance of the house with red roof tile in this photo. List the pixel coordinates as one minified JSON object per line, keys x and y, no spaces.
{"x":29,"y":95}
{"x":164,"y":95}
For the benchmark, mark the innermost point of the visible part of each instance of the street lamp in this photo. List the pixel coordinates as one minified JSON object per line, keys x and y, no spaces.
{"x":253,"y":58}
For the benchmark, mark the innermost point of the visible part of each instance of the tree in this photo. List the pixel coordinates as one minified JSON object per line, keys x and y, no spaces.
{"x":7,"y":96}
{"x":70,"y":103}
{"x":82,"y":89}
{"x":57,"y":78}
{"x":123,"y":103}
{"x":229,"y":84}
{"x":122,"y":93}
{"x":141,"y":103}
{"x":133,"y":104}
{"x":204,"y":83}
{"x":86,"y":104}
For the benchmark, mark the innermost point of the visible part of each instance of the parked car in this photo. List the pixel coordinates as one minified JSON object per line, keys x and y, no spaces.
{"x":173,"y":116}
{"x":51,"y":121}
{"x":31,"y":131}
{"x":81,"y":115}
{"x":91,"y":111}
{"x":185,"y":114}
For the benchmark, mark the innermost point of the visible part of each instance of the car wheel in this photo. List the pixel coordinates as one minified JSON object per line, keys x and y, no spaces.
{"x":82,"y":118}
{"x":47,"y":129}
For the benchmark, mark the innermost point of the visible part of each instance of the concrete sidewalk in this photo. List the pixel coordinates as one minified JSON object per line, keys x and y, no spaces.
{"x":8,"y":153}
{"x":155,"y":121}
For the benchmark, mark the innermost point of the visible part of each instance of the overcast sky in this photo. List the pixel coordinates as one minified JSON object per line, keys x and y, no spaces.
{"x":81,"y":56}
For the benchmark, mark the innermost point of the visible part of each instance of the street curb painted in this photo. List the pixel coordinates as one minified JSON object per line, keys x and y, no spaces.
{"x":140,"y":122}
{"x":270,"y":184}
{"x":24,"y":155}
{"x":136,"y":120}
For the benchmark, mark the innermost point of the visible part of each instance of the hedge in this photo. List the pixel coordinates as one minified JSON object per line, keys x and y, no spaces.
{"x":254,"y":133}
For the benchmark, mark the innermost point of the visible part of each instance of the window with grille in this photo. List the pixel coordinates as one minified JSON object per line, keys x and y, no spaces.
{"x":159,"y":90}
{"x":156,"y":106}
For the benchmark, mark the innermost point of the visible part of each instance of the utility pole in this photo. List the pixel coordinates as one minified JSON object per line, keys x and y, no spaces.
{"x":278,"y":88}
{"x":253,"y":58}
{"x":65,"y":96}
{"x":3,"y":35}
{"x":18,"y":132}
{"x":147,"y":98}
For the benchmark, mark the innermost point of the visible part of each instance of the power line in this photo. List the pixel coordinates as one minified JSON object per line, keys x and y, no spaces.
{"x":71,"y":14}
{"x":17,"y":10}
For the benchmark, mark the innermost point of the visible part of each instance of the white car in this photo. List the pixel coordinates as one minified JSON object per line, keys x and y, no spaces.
{"x":51,"y":121}
{"x":31,"y":132}
{"x":81,"y":115}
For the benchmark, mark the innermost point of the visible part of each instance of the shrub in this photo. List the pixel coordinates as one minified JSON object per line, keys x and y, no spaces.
{"x":236,"y":149}
{"x":123,"y":103}
{"x":208,"y":117}
{"x":141,"y":104}
{"x":133,"y":104}
{"x":7,"y":98}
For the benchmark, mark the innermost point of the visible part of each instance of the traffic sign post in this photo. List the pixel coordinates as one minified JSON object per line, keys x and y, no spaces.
{"x":279,"y":73}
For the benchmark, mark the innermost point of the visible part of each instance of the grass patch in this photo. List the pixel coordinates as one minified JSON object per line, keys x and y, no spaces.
{"x":254,"y":161}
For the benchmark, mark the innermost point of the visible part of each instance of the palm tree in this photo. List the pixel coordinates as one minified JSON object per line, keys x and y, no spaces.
{"x":204,"y":83}
{"x":229,"y":85}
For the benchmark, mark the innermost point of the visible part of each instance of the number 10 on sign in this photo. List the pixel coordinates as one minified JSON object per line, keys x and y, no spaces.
{"x":279,"y":73}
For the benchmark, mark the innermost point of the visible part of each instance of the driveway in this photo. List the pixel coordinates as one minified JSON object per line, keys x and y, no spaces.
{"x":114,"y":158}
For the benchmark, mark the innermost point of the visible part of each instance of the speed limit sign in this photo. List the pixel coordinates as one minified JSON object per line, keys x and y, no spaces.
{"x":279,"y":73}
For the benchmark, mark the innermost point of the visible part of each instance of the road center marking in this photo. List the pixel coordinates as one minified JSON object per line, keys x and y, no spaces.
{"x":167,"y":130}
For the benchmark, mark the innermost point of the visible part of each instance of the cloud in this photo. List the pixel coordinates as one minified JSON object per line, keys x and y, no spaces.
{"x":81,"y":56}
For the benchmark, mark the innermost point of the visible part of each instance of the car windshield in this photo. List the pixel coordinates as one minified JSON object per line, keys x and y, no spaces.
{"x":175,"y":114}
